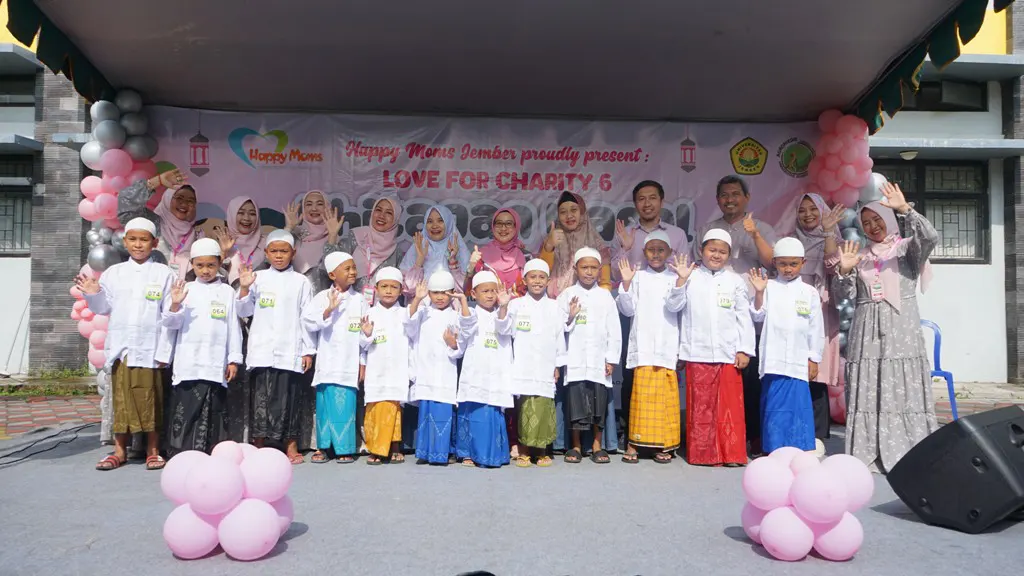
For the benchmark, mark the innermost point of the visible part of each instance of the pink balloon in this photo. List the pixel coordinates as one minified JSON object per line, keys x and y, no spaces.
{"x":87,"y":315}
{"x":250,"y":531}
{"x":785,"y":535}
{"x":861,"y":178}
{"x":188,"y":534}
{"x":91,"y":187}
{"x":847,"y":174}
{"x":834,"y":145}
{"x":98,"y":338}
{"x":860,"y":484}
{"x":865,"y":164}
{"x":861,"y":146}
{"x":751,"y":518}
{"x":268,"y":474}
{"x":97,"y":358}
{"x":785,"y":454}
{"x":819,"y":495}
{"x":79,"y":305}
{"x":100,"y":322}
{"x":172,"y":477}
{"x":115,"y":162}
{"x":846,"y":195}
{"x":137,"y":176}
{"x":767,"y":482}
{"x":814,"y":167}
{"x":75,"y":315}
{"x":228,"y":450}
{"x":837,"y":409}
{"x":117,"y":183}
{"x":839,"y":541}
{"x":285,"y":512}
{"x":247,"y":450}
{"x":846,"y":125}
{"x":828,"y":182}
{"x":76,"y":293}
{"x":803,"y":461}
{"x":850,"y":154}
{"x":149,"y":167}
{"x":827,"y":120}
{"x":106,"y":206}
{"x":832,"y":162}
{"x":826,"y":144}
{"x":113,"y":224}
{"x":214,"y":486}
{"x":87,"y":210}
{"x":89,"y":272}
{"x":85,"y":328}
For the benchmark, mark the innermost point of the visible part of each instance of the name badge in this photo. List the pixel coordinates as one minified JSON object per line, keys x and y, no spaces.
{"x":876,"y":290}
{"x":154,"y":292}
{"x":803,"y":308}
{"x":369,"y":294}
{"x":491,"y":340}
{"x":380,"y":337}
{"x":268,"y":299}
{"x":581,"y":318}
{"x":354,"y":324}
{"x":523,"y":323}
{"x":724,"y":300}
{"x":218,"y":310}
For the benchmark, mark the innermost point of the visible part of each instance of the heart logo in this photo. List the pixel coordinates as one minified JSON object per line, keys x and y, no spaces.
{"x":238,"y":135}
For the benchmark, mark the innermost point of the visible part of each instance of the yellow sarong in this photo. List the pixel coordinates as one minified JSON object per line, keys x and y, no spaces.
{"x":382,"y":425}
{"x":654,"y":420}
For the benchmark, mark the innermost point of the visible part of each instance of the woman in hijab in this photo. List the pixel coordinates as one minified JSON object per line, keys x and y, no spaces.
{"x":439,"y":246}
{"x":890,"y":406}
{"x":174,"y":215}
{"x":811,"y":221}
{"x":505,"y":254}
{"x":315,"y":225}
{"x":244,"y":235}
{"x":374,"y":246}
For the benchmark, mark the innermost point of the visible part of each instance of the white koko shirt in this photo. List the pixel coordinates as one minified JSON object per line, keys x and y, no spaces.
{"x":793,"y":332}
{"x":594,"y":336}
{"x":277,"y":338}
{"x":387,"y":355}
{"x":716,"y":322}
{"x":435,"y":376}
{"x":538,"y":345}
{"x":654,"y":333}
{"x":206,"y":331}
{"x":340,"y":336}
{"x":486,"y":341}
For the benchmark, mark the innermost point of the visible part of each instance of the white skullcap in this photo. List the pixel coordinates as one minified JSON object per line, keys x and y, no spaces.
{"x":717,"y":234}
{"x":789,"y":248}
{"x":143,"y":224}
{"x":281,"y":236}
{"x":388,"y":273}
{"x":536,"y":265}
{"x":335,"y":259}
{"x":205,"y":247}
{"x":483,"y":277}
{"x":658,"y":235}
{"x":586,"y":252}
{"x":441,"y":281}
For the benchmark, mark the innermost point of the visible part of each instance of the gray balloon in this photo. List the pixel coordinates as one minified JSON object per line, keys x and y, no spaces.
{"x":847,"y":312}
{"x":842,"y":341}
{"x":103,"y":110}
{"x":117,"y":240}
{"x":141,"y":147}
{"x":103,"y":256}
{"x":849,"y":218}
{"x":844,"y":303}
{"x":128,"y":101}
{"x":91,"y":153}
{"x":109,"y":134}
{"x":105,"y":235}
{"x":852,"y":235}
{"x":845,"y":324}
{"x":135,"y":123}
{"x":98,"y":225}
{"x":873,"y":189}
{"x":93,"y":238}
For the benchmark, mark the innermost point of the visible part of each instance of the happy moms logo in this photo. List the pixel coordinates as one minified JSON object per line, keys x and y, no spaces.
{"x":269,"y":149}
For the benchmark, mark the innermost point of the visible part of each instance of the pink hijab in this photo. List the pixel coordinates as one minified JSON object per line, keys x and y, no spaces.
{"x":882,"y":258}
{"x":373,"y":247}
{"x":248,"y":247}
{"x":813,"y":240}
{"x":505,"y":259}
{"x":563,"y":274}
{"x":312,"y":238}
{"x":177,"y":234}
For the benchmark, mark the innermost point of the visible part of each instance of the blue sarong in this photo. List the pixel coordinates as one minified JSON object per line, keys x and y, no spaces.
{"x":336,"y":419}
{"x":434,"y":438}
{"x":787,"y":417}
{"x":482,"y":436}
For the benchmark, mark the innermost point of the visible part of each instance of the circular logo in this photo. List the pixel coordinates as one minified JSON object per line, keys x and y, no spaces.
{"x":794,"y":157}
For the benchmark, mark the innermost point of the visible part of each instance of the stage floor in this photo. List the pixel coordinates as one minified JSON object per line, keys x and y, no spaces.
{"x":61,"y":517}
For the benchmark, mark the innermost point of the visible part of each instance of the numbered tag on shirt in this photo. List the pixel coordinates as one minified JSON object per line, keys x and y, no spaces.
{"x":581,"y":318}
{"x":154,"y":292}
{"x":268,"y":299}
{"x":380,"y":336}
{"x":523,"y":323}
{"x":354,"y":324}
{"x":369,"y":294}
{"x":491,"y":340}
{"x":803,"y":308}
{"x":218,"y":310}
{"x":876,"y":290}
{"x":725,"y":300}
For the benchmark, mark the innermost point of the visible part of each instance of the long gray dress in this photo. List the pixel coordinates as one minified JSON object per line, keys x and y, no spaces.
{"x":890,"y":405}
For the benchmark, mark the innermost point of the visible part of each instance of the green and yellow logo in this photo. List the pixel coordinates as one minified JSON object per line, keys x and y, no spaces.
{"x":794,"y":157}
{"x":748,"y":157}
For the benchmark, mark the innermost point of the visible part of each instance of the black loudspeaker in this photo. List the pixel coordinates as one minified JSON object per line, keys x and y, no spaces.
{"x":969,"y":474}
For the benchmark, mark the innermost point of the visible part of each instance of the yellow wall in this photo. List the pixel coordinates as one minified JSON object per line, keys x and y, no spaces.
{"x":5,"y":34}
{"x":991,"y":39}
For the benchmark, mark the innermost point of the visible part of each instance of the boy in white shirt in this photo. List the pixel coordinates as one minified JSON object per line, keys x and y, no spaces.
{"x":716,"y":342}
{"x":792,"y":342}
{"x":200,"y":317}
{"x":280,"y":349}
{"x":594,"y":345}
{"x":337,"y":315}
{"x":133,"y":294}
{"x":538,"y":346}
{"x":386,"y":384}
{"x":433,"y":330}
{"x":485,"y":336}
{"x":652,"y":352}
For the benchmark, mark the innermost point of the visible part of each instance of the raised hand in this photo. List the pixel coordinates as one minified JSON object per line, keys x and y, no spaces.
{"x":333,"y":300}
{"x":893,"y":198}
{"x":226,"y":240}
{"x":574,"y":307}
{"x":453,"y":253}
{"x":741,"y":361}
{"x":421,"y":248}
{"x":421,"y":290}
{"x":87,"y":284}
{"x":246,"y":277}
{"x":475,"y":257}
{"x":831,"y":220}
{"x":292,"y":218}
{"x":849,"y":257}
{"x":450,"y":337}
{"x":626,"y":271}
{"x":680,"y":264}
{"x":178,"y":293}
{"x":758,"y":279}
{"x":367,"y":326}
{"x":749,"y":225}
{"x":505,"y":295}
{"x":333,"y":222}
{"x":173,"y":178}
{"x":555,"y":238}
{"x":626,"y":237}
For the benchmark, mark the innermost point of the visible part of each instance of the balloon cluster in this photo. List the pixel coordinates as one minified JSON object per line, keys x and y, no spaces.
{"x":796,"y":502}
{"x":236,"y":496}
{"x":90,"y":325}
{"x":843,"y":165}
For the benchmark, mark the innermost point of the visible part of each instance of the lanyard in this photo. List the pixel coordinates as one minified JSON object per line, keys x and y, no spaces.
{"x":184,"y":239}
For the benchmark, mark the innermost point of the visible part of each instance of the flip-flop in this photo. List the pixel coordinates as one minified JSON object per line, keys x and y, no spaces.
{"x":600,"y":457}
{"x":468,"y":462}
{"x":633,"y":458}
{"x":523,"y":461}
{"x":155,"y":463}
{"x":397,"y":458}
{"x":345,"y":460}
{"x":663,"y":457}
{"x":372,"y":460}
{"x":573,"y":456}
{"x":110,"y":462}
{"x":319,"y":458}
{"x":544,"y":461}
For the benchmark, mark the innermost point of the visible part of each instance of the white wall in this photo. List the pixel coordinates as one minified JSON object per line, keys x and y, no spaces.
{"x":949,"y":124}
{"x":20,"y":120}
{"x":14,"y":294}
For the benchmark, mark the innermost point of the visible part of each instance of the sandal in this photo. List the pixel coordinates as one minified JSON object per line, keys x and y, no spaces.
{"x":296,"y":459}
{"x":318,"y":457}
{"x":544,"y":461}
{"x":397,"y":458}
{"x":523,"y":461}
{"x":573,"y":456}
{"x":468,"y":462}
{"x":663,"y":457}
{"x":372,"y":460}
{"x":110,"y":462}
{"x":631,"y":458}
{"x":155,"y":462}
{"x":345,"y":460}
{"x":600,"y":457}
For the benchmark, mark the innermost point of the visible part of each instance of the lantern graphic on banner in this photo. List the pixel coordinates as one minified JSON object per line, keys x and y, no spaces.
{"x":688,"y":153}
{"x":199,"y":152}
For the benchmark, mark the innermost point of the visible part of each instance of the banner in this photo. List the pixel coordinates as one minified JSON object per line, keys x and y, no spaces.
{"x":476,"y":165}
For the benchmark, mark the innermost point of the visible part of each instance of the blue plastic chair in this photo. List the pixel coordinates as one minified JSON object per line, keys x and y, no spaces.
{"x":938,"y":371}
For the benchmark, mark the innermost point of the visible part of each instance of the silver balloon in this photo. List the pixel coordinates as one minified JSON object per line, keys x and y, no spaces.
{"x":141,"y":147}
{"x":873,"y":189}
{"x":135,"y":123}
{"x":117,"y":239}
{"x":98,"y":225}
{"x":103,"y":110}
{"x":93,"y":238}
{"x":852,"y":235}
{"x":844,"y":324}
{"x":844,"y":303}
{"x":103,"y":256}
{"x":128,"y":101}
{"x":849,"y":218}
{"x":847,"y":312}
{"x":109,"y":134}
{"x":105,"y":235}
{"x":91,"y":153}
{"x":842,"y":341}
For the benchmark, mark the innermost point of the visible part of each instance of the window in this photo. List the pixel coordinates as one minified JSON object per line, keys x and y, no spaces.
{"x":15,"y":222}
{"x":947,"y":96}
{"x":15,"y":166}
{"x":954,"y":198}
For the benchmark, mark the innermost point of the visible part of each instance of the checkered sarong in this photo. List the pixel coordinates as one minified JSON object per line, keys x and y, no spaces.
{"x":654,"y":420}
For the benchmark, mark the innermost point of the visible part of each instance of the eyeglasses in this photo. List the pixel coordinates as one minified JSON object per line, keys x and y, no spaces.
{"x":504,"y":224}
